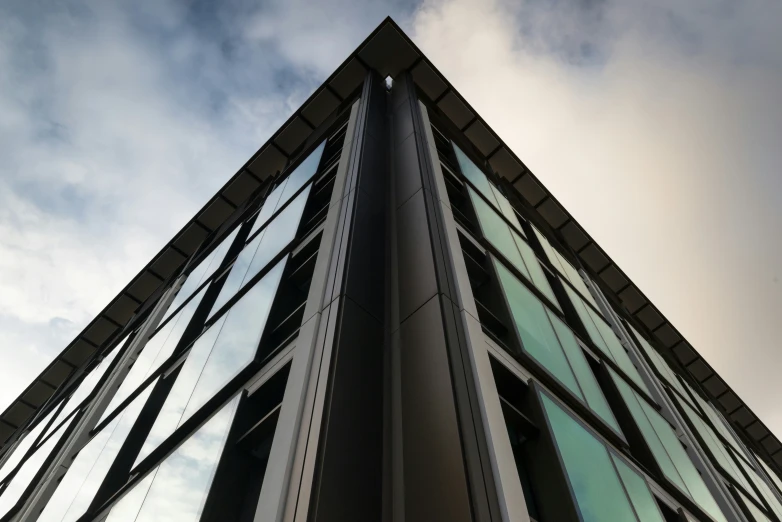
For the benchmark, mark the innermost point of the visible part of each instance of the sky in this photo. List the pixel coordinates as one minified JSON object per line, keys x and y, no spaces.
{"x":657,"y":124}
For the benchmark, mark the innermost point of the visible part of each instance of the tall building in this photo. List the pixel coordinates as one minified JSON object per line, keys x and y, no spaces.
{"x":384,"y":315}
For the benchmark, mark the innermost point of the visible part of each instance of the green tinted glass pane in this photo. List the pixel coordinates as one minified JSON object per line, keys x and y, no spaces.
{"x":599,"y":494}
{"x":618,"y":351}
{"x":589,"y":324}
{"x":643,"y":502}
{"x":573,"y":276}
{"x":716,"y":448}
{"x":537,"y":334}
{"x":684,"y":474}
{"x":757,"y":514}
{"x":660,"y":364}
{"x":498,"y":233}
{"x":474,"y":174}
{"x":764,"y":488}
{"x":720,"y":426}
{"x":538,"y":277}
{"x":770,"y":473}
{"x":647,"y":430}
{"x":594,"y":395}
{"x":507,"y":210}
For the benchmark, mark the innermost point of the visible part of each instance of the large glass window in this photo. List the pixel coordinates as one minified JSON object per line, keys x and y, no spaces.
{"x":29,"y":469}
{"x":605,"y":339}
{"x":765,"y":491}
{"x":158,"y":348}
{"x":718,"y":423}
{"x":78,"y":487}
{"x":512,"y":246}
{"x":771,"y":474}
{"x":177,"y":488}
{"x":660,"y":364}
{"x":605,"y":488}
{"x":262,"y":249}
{"x":546,"y":339}
{"x":23,"y":446}
{"x":667,"y":449}
{"x":719,"y":452}
{"x":289,"y":186}
{"x":216,"y":357}
{"x":564,"y":267}
{"x":756,"y":513}
{"x":202,"y":272}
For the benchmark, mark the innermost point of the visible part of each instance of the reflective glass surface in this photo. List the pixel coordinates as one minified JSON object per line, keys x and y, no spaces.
{"x":593,"y":480}
{"x":511,"y":246}
{"x":28,"y":470}
{"x":85,"y":475}
{"x":645,"y":506}
{"x":159,"y":347}
{"x":217,"y":356}
{"x":549,"y":342}
{"x":668,"y":450}
{"x":23,"y":446}
{"x":770,"y":473}
{"x":258,"y":252}
{"x":177,"y":489}
{"x":566,"y":269}
{"x":201,"y":273}
{"x":756,"y":513}
{"x":88,"y":384}
{"x":718,"y":423}
{"x":765,"y":490}
{"x":605,"y":339}
{"x":285,"y":190}
{"x":474,"y":175}
{"x":718,"y":450}
{"x":659,"y":363}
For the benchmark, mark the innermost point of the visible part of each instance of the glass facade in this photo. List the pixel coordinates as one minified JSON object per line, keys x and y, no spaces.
{"x":253,"y":382}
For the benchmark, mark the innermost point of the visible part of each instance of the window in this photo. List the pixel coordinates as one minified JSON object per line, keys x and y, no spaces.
{"x":564,"y":267}
{"x":85,"y":475}
{"x":158,"y":348}
{"x":605,"y":488}
{"x":765,"y":491}
{"x":546,"y":339}
{"x":666,"y":449}
{"x":605,"y":339}
{"x":772,"y":475}
{"x":202,"y":272}
{"x":720,"y":454}
{"x":511,"y":246}
{"x":661,"y":365}
{"x":718,"y":423}
{"x":177,"y":488}
{"x":753,"y":510}
{"x":28,"y":470}
{"x":262,"y":249}
{"x":288,"y":187}
{"x":217,"y":356}
{"x":23,"y":446}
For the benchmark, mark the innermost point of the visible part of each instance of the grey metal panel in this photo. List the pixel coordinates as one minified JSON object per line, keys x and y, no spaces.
{"x":435,"y":480}
{"x":417,"y":281}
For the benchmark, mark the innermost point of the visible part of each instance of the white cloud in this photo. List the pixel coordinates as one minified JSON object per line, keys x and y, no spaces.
{"x":662,"y":141}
